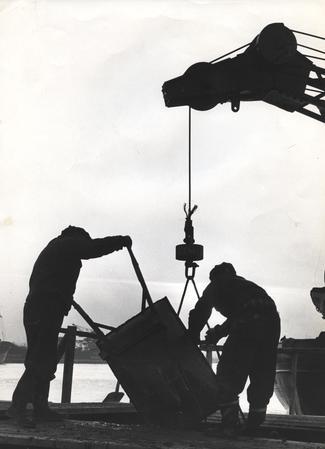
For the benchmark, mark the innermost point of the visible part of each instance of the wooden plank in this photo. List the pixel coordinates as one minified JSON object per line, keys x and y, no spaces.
{"x":77,"y":435}
{"x":294,"y":427}
{"x":109,"y":411}
{"x":286,"y":421}
{"x":286,"y":428}
{"x":83,"y":407}
{"x":111,"y":408}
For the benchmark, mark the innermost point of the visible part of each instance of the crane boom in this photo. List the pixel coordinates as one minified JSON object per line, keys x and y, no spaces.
{"x":271,"y":69}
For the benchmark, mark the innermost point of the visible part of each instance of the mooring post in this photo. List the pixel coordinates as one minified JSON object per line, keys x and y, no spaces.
{"x":293,"y":406}
{"x":209,"y":353}
{"x":68,"y":363}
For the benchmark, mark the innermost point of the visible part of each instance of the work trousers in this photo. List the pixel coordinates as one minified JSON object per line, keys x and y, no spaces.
{"x":250,"y":352}
{"x":42,"y":330}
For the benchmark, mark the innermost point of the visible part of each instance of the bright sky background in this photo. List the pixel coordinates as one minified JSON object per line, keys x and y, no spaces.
{"x":86,"y":140}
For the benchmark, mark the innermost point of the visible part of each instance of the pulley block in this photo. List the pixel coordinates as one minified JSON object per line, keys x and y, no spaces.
{"x":189,"y":252}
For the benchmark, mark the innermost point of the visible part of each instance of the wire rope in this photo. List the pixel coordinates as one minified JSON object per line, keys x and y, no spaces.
{"x":308,"y":34}
{"x":311,"y":48}
{"x":313,"y":90}
{"x":294,"y":31}
{"x":227,"y":54}
{"x":314,"y":57}
{"x":189,"y":160}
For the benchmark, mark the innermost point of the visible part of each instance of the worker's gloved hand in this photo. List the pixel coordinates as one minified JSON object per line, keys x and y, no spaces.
{"x":127,"y":241}
{"x":214,"y":335}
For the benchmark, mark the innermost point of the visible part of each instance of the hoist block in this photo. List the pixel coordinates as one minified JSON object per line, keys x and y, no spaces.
{"x":189,"y":252}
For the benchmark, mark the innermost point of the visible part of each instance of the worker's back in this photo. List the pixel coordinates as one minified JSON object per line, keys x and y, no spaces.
{"x":54,"y":275}
{"x":235,"y":295}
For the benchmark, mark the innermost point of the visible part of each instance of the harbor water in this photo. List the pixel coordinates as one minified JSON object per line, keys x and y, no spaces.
{"x":91,"y":383}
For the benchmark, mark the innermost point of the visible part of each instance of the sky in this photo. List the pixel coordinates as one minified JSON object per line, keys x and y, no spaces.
{"x":85,"y":139}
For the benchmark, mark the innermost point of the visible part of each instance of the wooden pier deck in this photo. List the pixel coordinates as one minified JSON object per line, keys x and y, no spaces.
{"x":118,"y":426}
{"x":117,"y":412}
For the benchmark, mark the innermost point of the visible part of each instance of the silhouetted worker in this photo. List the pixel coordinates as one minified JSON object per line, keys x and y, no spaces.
{"x":318,"y":297}
{"x":51,"y":288}
{"x":253,"y":329}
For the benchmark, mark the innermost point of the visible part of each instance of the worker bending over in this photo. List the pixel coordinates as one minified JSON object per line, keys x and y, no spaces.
{"x":253,"y":329}
{"x":51,"y":288}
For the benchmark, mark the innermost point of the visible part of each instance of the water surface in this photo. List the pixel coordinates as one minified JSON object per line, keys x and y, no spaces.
{"x":91,"y":383}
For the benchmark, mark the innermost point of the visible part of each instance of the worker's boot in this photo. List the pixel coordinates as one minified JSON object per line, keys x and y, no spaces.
{"x":42,"y":411}
{"x":18,"y":411}
{"x":230,"y":420}
{"x":20,"y":399}
{"x":256,"y":417}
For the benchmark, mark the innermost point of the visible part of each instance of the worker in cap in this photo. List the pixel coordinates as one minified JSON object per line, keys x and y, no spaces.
{"x":253,"y":329}
{"x":51,"y":288}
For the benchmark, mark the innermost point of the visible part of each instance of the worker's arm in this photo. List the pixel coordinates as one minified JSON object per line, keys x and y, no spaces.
{"x":199,"y":316}
{"x":217,"y":332}
{"x":85,"y":248}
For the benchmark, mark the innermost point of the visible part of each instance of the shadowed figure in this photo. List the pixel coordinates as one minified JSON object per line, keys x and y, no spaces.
{"x":51,"y":288}
{"x":318,"y":297}
{"x":253,"y":329}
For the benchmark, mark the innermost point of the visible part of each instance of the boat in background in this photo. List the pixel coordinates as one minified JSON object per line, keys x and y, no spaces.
{"x":300,"y":373}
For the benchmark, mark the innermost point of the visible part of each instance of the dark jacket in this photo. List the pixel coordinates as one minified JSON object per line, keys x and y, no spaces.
{"x":56,"y":270}
{"x":235,"y":298}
